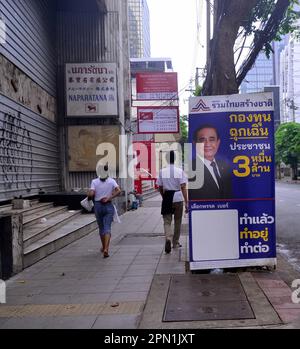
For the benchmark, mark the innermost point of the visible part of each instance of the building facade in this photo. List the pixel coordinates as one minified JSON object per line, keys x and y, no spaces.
{"x":40,"y":39}
{"x":139,"y":29}
{"x":290,"y":80}
{"x":261,"y":75}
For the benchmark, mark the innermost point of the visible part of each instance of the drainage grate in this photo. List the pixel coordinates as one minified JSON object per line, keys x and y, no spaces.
{"x":206,"y":297}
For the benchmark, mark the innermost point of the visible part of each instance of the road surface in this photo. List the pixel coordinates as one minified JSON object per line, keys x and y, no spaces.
{"x":288,"y":221}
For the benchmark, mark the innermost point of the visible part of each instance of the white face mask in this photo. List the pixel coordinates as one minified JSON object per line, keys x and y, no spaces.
{"x":102,"y":172}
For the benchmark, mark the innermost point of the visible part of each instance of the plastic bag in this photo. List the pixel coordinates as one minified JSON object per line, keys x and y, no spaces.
{"x":116,"y":215}
{"x":87,"y":204}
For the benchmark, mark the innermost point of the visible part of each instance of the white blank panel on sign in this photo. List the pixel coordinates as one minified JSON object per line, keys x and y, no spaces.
{"x":215,"y":235}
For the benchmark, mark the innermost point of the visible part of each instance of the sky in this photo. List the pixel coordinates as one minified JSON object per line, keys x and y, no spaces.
{"x":174,"y":31}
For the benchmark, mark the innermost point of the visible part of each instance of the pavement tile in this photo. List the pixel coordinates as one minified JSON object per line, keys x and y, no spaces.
{"x":19,"y":300}
{"x":136,"y":279}
{"x":34,"y":283}
{"x":55,"y":299}
{"x":289,"y":315}
{"x":79,"y":289}
{"x":170,"y":269}
{"x":148,"y":258}
{"x":54,"y":275}
{"x":129,"y":248}
{"x":90,"y":298}
{"x":3,"y":321}
{"x":74,"y":268}
{"x":145,"y":268}
{"x":25,"y":323}
{"x":118,"y":262}
{"x":266,"y":275}
{"x":277,"y":292}
{"x":270,"y":283}
{"x":116,"y":321}
{"x":104,"y":277}
{"x":25,"y":290}
{"x":283,"y":302}
{"x":146,"y":253}
{"x":128,"y":297}
{"x":108,"y":268}
{"x":139,"y":272}
{"x":108,"y":273}
{"x":64,"y":322}
{"x":96,"y":282}
{"x":137,"y":287}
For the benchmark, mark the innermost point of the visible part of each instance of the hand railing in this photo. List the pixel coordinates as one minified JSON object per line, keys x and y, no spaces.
{"x":148,"y":173}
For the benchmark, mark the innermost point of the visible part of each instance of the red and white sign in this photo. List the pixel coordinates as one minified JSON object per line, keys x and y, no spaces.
{"x":157,"y":86}
{"x":158,"y":119}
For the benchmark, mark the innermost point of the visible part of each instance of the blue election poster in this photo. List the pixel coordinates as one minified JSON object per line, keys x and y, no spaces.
{"x":231,"y":181}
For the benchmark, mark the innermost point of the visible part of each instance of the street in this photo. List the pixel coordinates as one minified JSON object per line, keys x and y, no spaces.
{"x":287,"y":221}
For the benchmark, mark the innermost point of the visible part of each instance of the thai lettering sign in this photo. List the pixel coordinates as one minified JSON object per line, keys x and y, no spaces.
{"x":158,"y":119}
{"x":91,"y":89}
{"x":232,"y":214}
{"x":157,"y":86}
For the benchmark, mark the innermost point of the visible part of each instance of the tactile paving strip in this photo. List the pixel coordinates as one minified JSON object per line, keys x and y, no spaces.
{"x":33,"y":310}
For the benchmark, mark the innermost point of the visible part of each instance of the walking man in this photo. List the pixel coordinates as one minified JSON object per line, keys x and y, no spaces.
{"x":172,"y":183}
{"x":103,"y":190}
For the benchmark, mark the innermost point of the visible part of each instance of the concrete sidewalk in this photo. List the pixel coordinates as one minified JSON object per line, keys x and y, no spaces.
{"x":77,"y":288}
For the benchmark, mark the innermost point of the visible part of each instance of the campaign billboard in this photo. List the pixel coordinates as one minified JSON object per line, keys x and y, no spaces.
{"x":232,"y":210}
{"x":156,"y":86}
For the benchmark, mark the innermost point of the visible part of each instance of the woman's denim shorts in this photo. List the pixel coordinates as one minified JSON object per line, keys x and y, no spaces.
{"x":104,"y":215}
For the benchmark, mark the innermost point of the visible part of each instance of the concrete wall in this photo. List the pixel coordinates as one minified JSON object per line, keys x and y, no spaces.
{"x":19,"y":87}
{"x":92,"y":36}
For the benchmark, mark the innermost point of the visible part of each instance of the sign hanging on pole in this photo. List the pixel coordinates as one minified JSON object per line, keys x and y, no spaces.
{"x":157,"y":86}
{"x":232,"y":205}
{"x":158,"y":119}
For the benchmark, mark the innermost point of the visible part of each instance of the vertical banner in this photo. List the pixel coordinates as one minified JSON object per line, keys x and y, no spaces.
{"x":232,"y":183}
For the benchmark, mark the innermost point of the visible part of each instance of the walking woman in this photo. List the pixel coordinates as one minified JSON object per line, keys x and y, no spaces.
{"x":103,"y":190}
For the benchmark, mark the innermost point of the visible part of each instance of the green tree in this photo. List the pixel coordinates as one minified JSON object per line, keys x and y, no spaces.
{"x":287,"y":145}
{"x":198,"y":91}
{"x":254,"y":24}
{"x":184,"y":129}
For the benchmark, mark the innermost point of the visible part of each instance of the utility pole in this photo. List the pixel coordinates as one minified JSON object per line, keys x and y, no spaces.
{"x":197,"y":78}
{"x":216,"y":13}
{"x":208,"y":31}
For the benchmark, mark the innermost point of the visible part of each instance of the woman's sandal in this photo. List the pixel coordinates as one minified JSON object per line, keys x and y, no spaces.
{"x":105,"y":254}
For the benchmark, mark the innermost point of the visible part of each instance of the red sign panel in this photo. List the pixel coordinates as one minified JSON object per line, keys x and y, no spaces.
{"x":146,"y":116}
{"x":145,"y":153}
{"x":157,"y":86}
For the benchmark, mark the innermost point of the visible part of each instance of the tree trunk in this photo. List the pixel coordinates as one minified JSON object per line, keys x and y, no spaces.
{"x":295,"y":171}
{"x":221,"y":76}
